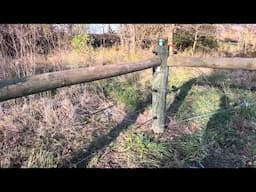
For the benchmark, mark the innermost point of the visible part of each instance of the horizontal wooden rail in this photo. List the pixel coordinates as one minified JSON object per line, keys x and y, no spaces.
{"x":10,"y":89}
{"x":217,"y":63}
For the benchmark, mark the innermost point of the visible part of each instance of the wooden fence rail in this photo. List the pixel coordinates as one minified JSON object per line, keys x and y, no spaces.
{"x":10,"y":89}
{"x":216,"y":63}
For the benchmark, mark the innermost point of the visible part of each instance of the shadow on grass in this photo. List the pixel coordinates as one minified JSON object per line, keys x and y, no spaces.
{"x":223,"y":141}
{"x":186,"y":87}
{"x":232,"y":86}
{"x":179,"y":98}
{"x":81,"y":158}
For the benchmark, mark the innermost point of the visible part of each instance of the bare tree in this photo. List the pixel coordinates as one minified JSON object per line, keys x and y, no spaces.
{"x":198,"y":30}
{"x":195,"y":38}
{"x":142,"y":35}
{"x":132,"y":41}
{"x":128,"y":36}
{"x":170,"y":32}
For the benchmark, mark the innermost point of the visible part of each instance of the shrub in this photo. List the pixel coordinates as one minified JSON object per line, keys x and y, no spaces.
{"x":184,"y":40}
{"x":80,"y":42}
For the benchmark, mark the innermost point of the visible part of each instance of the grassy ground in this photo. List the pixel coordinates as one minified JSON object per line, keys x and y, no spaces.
{"x":106,"y":124}
{"x":224,"y":139}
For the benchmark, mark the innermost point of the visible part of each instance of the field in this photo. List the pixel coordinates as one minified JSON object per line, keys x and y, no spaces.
{"x":107,"y":123}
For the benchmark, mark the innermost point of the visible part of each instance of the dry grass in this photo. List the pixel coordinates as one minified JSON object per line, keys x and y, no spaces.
{"x":50,"y":129}
{"x":46,"y":129}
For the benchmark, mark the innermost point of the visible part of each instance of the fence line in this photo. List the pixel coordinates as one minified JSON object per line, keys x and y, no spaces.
{"x":216,"y":63}
{"x":10,"y":89}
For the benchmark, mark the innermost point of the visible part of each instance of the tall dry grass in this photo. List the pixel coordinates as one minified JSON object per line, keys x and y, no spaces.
{"x":45,"y":129}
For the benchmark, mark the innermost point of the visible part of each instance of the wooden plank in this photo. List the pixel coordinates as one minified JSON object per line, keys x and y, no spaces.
{"x":10,"y":89}
{"x":216,"y":63}
{"x":159,"y":92}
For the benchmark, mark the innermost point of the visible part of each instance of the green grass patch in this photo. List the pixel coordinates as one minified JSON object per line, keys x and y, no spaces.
{"x":126,"y":92}
{"x":179,"y":77}
{"x":189,"y":149}
{"x":220,"y":142}
{"x":141,"y":150}
{"x":199,"y":102}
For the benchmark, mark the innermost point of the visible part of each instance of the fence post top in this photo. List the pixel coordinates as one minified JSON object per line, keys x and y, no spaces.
{"x":161,"y":42}
{"x":162,"y":48}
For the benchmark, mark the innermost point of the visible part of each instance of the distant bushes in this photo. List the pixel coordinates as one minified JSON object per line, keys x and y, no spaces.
{"x":80,"y":42}
{"x":20,"y":40}
{"x":185,"y":39}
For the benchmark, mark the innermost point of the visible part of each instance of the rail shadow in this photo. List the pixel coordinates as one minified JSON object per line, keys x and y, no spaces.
{"x":81,"y":158}
{"x":232,"y":86}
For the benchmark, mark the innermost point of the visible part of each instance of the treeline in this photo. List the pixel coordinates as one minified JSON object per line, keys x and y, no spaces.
{"x":19,"y":40}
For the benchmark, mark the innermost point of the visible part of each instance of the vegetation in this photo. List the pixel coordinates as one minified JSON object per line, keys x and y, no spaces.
{"x":185,"y":40}
{"x":106,"y":123}
{"x":80,"y":42}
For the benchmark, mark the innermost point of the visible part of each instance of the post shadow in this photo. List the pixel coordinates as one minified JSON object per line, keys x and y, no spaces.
{"x":179,"y":98}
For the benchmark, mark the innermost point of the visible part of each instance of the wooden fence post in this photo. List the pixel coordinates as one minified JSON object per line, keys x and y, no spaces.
{"x":159,"y":89}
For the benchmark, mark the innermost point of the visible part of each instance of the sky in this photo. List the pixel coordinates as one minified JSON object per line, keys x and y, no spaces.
{"x":99,"y":28}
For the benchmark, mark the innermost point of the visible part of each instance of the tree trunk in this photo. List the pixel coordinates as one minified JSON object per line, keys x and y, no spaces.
{"x":132,"y":38}
{"x":170,"y":38}
{"x":121,"y":35}
{"x":109,"y":29}
{"x":195,"y":42}
{"x":244,"y":47}
{"x":70,"y":29}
